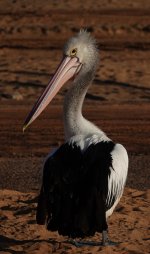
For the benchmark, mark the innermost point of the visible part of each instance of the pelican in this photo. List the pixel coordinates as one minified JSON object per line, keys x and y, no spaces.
{"x":84,"y":179}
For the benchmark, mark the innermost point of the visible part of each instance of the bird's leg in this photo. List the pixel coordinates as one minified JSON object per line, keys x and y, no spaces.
{"x":105,"y":239}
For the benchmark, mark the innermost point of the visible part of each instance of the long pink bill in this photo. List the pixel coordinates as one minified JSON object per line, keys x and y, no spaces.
{"x":65,"y":71}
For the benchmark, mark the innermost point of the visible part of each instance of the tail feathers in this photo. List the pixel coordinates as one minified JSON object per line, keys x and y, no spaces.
{"x":41,"y":208}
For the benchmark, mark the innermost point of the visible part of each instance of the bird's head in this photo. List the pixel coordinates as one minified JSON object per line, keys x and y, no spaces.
{"x":80,"y":57}
{"x":84,"y":47}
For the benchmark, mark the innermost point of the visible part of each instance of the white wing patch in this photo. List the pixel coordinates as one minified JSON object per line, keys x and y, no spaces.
{"x":117,"y":178}
{"x":85,"y":141}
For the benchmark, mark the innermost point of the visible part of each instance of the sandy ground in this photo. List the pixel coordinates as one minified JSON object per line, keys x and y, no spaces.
{"x":20,"y":234}
{"x":31,"y":38}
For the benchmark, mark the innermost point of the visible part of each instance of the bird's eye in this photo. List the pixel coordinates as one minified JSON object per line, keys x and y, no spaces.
{"x":73,"y":52}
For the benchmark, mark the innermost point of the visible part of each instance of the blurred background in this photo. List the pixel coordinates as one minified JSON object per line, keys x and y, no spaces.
{"x":32,"y":35}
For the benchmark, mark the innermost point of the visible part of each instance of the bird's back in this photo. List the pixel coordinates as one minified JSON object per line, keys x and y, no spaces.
{"x":75,"y":189}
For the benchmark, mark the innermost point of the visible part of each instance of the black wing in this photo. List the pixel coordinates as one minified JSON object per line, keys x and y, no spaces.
{"x":74,"y":190}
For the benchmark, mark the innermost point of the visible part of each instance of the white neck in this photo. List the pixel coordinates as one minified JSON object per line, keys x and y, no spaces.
{"x":74,"y":122}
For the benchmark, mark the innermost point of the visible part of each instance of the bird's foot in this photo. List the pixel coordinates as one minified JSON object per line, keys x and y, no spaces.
{"x":106,"y":241}
{"x":83,"y":243}
{"x":91,"y":243}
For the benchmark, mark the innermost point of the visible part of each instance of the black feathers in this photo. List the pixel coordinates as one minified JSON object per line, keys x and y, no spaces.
{"x":75,"y":188}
